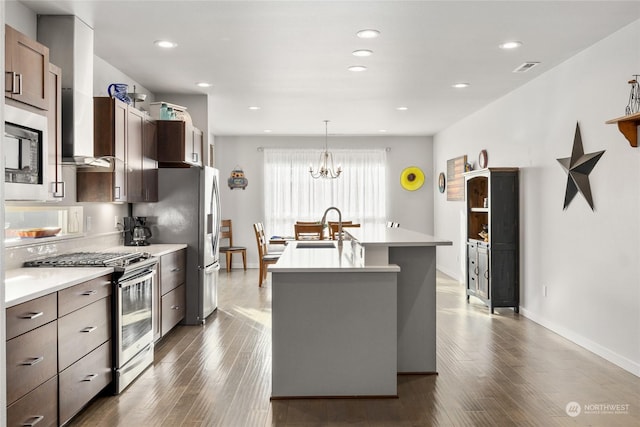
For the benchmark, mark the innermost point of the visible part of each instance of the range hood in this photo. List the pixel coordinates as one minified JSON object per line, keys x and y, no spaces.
{"x":70,"y":43}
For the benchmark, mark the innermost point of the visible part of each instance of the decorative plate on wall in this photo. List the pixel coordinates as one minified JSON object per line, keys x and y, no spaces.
{"x":442,"y":182}
{"x":411,"y":178}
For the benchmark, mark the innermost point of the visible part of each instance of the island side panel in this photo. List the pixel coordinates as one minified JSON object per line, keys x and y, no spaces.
{"x":416,"y":308}
{"x":334,"y":334}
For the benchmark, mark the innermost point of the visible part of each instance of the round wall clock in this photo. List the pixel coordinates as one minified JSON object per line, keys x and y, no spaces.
{"x":411,"y":178}
{"x":442,"y":182}
{"x":483,"y":159}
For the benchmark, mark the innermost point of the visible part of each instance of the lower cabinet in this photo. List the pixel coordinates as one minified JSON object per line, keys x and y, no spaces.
{"x":171,"y":291}
{"x":80,"y":382}
{"x":58,"y":353}
{"x":38,"y":407}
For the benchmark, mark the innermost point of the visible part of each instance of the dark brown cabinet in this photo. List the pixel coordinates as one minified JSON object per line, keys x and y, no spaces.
{"x":170,"y":304}
{"x":492,"y":237}
{"x":126,"y":136}
{"x":180,"y":144}
{"x":26,"y":69}
{"x":58,"y":353}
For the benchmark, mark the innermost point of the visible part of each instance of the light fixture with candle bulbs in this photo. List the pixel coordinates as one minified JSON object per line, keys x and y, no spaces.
{"x":326,"y":168}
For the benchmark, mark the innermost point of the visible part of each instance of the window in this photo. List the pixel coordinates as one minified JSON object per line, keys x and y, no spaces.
{"x":291,"y":194}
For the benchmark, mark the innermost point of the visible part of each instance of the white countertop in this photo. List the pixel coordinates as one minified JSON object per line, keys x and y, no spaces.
{"x":24,"y":284}
{"x":369,"y":235}
{"x":323,"y":260}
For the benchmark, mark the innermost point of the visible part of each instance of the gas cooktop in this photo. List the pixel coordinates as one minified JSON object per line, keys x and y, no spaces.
{"x":90,"y":259}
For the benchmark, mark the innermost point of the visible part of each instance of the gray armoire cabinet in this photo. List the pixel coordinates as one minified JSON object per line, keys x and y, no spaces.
{"x":492,"y":236}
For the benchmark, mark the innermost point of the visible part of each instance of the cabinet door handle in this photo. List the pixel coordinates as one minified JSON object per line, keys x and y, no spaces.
{"x":90,"y":377}
{"x":32,"y":316}
{"x":10,"y":88}
{"x":19,"y":92}
{"x":173,"y":270}
{"x":476,"y":271}
{"x":32,"y":421}
{"x":33,"y":361}
{"x":89,"y":329}
{"x":90,"y":292}
{"x":175,"y":307}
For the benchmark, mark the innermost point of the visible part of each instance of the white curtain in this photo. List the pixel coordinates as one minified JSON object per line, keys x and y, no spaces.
{"x":291,"y":194}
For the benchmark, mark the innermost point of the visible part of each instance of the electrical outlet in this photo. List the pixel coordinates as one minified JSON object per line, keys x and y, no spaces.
{"x":544,"y":290}
{"x":115,"y":221}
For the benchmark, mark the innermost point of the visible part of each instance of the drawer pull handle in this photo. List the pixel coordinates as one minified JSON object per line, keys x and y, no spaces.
{"x":173,"y":270}
{"x":33,"y":361}
{"x":175,"y":307}
{"x":90,"y":292}
{"x":90,"y":377}
{"x":33,"y":421}
{"x":89,"y":329}
{"x":32,"y":316}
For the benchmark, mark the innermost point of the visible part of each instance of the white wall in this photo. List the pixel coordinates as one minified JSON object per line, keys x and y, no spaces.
{"x":413,"y":210}
{"x":588,"y":260}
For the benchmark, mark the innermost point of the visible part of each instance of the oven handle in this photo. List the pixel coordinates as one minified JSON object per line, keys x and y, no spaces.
{"x":136,"y":279}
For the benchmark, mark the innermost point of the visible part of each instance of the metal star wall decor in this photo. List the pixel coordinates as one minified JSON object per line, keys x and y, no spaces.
{"x":578,"y":168}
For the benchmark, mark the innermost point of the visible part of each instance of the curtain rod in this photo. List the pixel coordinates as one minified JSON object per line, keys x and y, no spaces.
{"x":387,"y":149}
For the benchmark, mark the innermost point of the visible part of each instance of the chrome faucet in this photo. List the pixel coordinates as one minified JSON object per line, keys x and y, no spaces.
{"x":324,"y":219}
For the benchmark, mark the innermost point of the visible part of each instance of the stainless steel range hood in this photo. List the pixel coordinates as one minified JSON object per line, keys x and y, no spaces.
{"x":70,"y":43}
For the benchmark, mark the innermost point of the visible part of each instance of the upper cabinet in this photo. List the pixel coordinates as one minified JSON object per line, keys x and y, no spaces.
{"x":126,"y":136}
{"x":179,"y":144}
{"x":26,"y":69}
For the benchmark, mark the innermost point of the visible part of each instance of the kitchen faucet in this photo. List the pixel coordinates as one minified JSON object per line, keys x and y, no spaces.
{"x":324,"y":218}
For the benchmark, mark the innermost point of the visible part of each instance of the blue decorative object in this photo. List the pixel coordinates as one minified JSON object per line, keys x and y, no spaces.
{"x":237,"y":179}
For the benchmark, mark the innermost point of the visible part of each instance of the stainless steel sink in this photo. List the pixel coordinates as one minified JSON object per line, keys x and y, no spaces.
{"x":316,"y":245}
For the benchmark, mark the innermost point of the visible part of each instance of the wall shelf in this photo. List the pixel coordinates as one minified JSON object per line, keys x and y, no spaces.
{"x":628,"y":125}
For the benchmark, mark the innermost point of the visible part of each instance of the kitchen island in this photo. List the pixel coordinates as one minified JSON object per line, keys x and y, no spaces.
{"x":347,"y":321}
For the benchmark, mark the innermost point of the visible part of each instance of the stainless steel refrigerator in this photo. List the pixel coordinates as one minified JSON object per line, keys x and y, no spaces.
{"x":188,"y":211}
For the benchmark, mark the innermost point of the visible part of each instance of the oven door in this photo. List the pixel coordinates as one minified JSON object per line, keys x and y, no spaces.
{"x":134,"y":313}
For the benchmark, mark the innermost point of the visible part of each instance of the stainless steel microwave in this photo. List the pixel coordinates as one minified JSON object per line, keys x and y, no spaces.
{"x":25,"y":154}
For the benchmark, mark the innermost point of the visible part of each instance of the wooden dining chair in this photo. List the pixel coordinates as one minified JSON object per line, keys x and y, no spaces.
{"x":334,"y":227}
{"x":226,"y":232}
{"x":308,"y":231}
{"x":264,"y":255}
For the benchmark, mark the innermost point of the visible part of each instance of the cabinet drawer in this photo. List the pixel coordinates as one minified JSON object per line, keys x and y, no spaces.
{"x":83,"y":380}
{"x":173,"y":308}
{"x":83,"y":294}
{"x":39,"y":407}
{"x":31,"y":314}
{"x":82,"y":331}
{"x":31,"y":360}
{"x":172,"y":270}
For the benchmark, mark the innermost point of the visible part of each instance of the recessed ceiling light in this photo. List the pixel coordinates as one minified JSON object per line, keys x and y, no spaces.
{"x":267,"y":131}
{"x":402,"y":108}
{"x":357,"y":68}
{"x":166,"y":44}
{"x":254,"y":107}
{"x":460,"y":85}
{"x":203,"y":84}
{"x":362,"y":52}
{"x":382,"y":130}
{"x":368,"y":34}
{"x":510,"y":45}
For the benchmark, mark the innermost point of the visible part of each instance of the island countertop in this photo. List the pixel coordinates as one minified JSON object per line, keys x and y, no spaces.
{"x":324,"y":260}
{"x":372,"y":235}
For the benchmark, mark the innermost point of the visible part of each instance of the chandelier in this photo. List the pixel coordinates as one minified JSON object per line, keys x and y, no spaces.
{"x":325,"y":164}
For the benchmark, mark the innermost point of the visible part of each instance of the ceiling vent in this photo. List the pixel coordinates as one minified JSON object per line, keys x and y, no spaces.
{"x":525,"y":67}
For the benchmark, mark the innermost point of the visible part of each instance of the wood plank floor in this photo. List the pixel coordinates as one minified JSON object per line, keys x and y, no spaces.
{"x":500,"y":370}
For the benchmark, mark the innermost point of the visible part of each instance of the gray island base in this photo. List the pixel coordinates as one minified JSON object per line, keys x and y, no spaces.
{"x":346,"y":321}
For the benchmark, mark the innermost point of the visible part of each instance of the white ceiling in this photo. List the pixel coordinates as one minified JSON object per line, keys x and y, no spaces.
{"x":291,"y":57}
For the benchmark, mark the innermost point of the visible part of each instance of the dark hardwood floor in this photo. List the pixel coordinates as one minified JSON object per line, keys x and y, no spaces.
{"x":500,"y":370}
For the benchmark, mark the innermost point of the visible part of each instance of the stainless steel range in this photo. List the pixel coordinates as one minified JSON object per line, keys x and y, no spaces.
{"x":133,"y":283}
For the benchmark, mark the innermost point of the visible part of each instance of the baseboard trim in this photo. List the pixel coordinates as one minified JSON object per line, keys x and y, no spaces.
{"x":611,"y":356}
